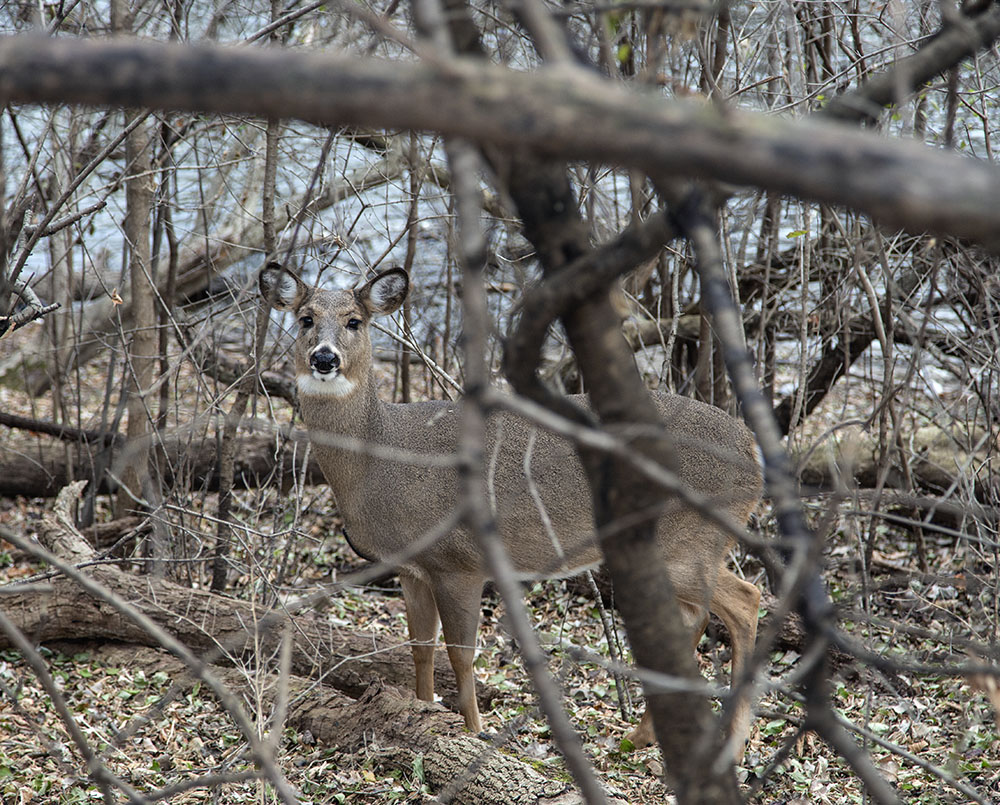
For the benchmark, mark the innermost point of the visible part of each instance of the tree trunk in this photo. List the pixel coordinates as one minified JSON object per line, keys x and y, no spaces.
{"x":142,"y":348}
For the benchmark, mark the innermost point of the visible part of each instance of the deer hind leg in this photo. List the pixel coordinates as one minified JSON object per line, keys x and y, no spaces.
{"x":458,"y":599}
{"x":696,"y":619}
{"x":736,"y":603}
{"x":422,"y":621}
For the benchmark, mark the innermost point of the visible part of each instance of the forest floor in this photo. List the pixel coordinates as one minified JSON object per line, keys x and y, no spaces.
{"x":937,"y":728}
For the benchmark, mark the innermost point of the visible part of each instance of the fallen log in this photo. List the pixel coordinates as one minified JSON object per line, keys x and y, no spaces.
{"x":938,"y":459}
{"x":41,"y":469}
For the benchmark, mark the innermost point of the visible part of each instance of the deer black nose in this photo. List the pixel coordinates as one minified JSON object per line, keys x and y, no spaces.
{"x":324,"y":360}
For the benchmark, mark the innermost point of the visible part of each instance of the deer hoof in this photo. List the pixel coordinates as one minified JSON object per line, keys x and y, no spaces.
{"x":642,"y":736}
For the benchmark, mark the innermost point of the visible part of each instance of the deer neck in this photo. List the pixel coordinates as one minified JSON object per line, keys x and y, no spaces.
{"x":339,"y":427}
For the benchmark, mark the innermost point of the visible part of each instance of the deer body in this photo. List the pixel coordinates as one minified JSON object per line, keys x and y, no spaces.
{"x":387,"y":503}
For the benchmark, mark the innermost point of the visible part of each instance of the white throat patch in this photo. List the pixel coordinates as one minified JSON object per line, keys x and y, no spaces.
{"x":317,"y":385}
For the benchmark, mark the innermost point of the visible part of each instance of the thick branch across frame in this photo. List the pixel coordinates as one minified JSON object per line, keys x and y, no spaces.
{"x":558,"y":110}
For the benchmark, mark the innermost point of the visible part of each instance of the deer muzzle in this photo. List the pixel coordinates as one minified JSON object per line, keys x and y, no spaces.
{"x":324,"y":360}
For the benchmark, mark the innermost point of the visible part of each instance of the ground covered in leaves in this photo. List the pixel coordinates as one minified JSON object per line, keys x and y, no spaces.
{"x":925,"y":732}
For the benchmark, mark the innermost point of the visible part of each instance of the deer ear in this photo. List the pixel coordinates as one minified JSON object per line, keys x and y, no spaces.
{"x":384,"y":293}
{"x":280,"y":287}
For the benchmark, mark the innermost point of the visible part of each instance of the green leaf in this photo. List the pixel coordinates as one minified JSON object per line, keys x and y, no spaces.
{"x":775,"y":727}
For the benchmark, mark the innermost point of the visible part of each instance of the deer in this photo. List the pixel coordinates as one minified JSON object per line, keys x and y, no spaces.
{"x":387,"y":502}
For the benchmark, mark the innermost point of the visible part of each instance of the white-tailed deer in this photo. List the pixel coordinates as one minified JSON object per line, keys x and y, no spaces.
{"x":386,"y":503}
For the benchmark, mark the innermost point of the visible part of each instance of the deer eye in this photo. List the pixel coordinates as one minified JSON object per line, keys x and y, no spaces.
{"x":353,"y":324}
{"x":306,"y":322}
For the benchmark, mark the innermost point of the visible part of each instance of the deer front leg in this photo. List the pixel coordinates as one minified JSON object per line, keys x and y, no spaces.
{"x":458,"y":599}
{"x":422,"y":621}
